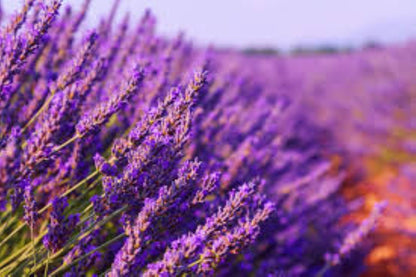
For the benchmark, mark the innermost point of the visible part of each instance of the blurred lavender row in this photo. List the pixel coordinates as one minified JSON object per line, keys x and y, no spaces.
{"x":123,"y":153}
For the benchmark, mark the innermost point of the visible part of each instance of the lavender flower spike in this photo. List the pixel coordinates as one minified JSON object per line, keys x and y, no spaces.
{"x":232,"y":241}
{"x":354,"y":238}
{"x":30,"y":207}
{"x":181,"y":102}
{"x":91,"y":122}
{"x":60,"y":227}
{"x":153,"y":209}
{"x":19,"y":19}
{"x":22,"y":47}
{"x":137,"y":135}
{"x":73,"y":71}
{"x":183,"y":250}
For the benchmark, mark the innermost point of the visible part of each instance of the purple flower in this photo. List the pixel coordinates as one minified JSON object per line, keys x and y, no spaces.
{"x":30,"y":207}
{"x":168,"y":198}
{"x":233,"y":241}
{"x":60,"y":226}
{"x":178,"y":256}
{"x":92,"y":121}
{"x":19,"y":48}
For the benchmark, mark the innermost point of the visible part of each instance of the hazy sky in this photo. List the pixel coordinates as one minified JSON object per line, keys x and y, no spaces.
{"x":274,"y":23}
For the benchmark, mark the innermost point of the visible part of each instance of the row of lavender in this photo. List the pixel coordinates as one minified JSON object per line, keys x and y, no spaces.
{"x":124,"y":153}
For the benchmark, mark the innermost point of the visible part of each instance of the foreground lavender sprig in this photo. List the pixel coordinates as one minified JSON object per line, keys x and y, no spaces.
{"x":39,"y":145}
{"x":232,"y":242}
{"x":60,"y":226}
{"x":168,"y":197}
{"x":183,"y":102}
{"x":71,"y":74}
{"x":21,"y":47}
{"x":91,"y":122}
{"x":181,"y":251}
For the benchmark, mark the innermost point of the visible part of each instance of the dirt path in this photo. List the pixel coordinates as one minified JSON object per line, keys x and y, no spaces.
{"x":390,"y":175}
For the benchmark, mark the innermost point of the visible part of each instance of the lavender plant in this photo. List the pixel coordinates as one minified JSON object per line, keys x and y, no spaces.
{"x":123,"y":153}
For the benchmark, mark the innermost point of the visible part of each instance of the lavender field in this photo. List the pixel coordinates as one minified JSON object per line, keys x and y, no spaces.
{"x":127,"y":153}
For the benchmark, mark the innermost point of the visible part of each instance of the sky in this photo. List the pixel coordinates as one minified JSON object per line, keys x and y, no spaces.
{"x":282,"y":24}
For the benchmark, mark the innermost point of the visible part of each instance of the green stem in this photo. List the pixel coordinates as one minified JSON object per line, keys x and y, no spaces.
{"x":89,"y":177}
{"x":195,"y":263}
{"x":22,"y":254}
{"x":18,"y":253}
{"x":47,"y":265}
{"x":6,"y":215}
{"x":25,"y":247}
{"x":80,"y":237}
{"x":66,"y":143}
{"x":14,"y":232}
{"x":64,"y":267}
{"x":33,"y":246}
{"x":44,"y":106}
{"x":83,"y":194}
{"x":22,"y":225}
{"x":6,"y":224}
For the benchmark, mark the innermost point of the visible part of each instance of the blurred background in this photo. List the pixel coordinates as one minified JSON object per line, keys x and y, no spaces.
{"x":272,"y":24}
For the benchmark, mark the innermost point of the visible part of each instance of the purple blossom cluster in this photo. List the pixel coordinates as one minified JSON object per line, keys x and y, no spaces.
{"x":128,"y":154}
